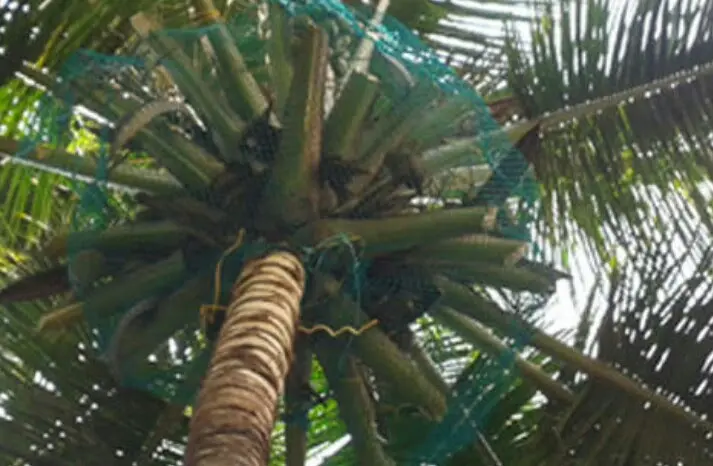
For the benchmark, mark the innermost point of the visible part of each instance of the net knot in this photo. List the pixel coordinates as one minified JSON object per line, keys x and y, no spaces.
{"x":316,"y":260}
{"x":316,"y":257}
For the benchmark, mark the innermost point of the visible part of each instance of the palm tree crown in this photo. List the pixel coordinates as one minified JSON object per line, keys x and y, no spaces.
{"x":614,"y":127}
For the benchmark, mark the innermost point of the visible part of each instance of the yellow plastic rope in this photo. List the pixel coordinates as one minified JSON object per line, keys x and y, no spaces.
{"x":335,"y":333}
{"x":210,"y":15}
{"x":207,"y":311}
{"x":334,"y":241}
{"x":338,"y":239}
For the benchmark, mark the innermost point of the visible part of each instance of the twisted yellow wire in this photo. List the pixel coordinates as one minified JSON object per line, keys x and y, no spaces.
{"x":335,"y":333}
{"x":207,"y":311}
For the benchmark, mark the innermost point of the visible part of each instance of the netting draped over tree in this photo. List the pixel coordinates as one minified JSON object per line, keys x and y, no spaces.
{"x":203,"y":133}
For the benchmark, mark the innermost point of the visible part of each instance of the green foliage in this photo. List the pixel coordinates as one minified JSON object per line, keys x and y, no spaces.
{"x":627,"y":102}
{"x":422,"y":15}
{"x":592,"y":169}
{"x":210,"y":174}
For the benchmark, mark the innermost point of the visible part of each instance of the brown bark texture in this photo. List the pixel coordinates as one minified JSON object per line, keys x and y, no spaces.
{"x":237,"y":404}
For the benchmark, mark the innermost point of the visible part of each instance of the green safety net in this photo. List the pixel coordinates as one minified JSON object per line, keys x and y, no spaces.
{"x":165,"y":141}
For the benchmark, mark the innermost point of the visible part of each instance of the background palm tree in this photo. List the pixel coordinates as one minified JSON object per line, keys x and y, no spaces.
{"x":605,"y":161}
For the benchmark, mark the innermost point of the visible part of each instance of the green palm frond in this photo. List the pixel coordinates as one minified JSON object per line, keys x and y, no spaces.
{"x":407,"y":242}
{"x":623,"y":108}
{"x":511,"y":421}
{"x":236,"y":111}
{"x":47,"y":33}
{"x":469,"y":35}
{"x":61,"y":406}
{"x":29,"y":198}
{"x":48,"y":36}
{"x":86,"y":413}
{"x":58,"y":399}
{"x":656,"y":328}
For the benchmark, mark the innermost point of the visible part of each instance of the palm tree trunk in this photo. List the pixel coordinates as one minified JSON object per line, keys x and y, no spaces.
{"x":237,"y":404}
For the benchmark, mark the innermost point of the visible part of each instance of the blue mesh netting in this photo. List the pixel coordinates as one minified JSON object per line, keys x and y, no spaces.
{"x":164,"y":275}
{"x":481,"y":387}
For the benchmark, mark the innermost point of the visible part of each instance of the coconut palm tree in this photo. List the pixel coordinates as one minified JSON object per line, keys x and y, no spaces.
{"x":456,"y":296}
{"x":310,"y":182}
{"x":596,"y":88}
